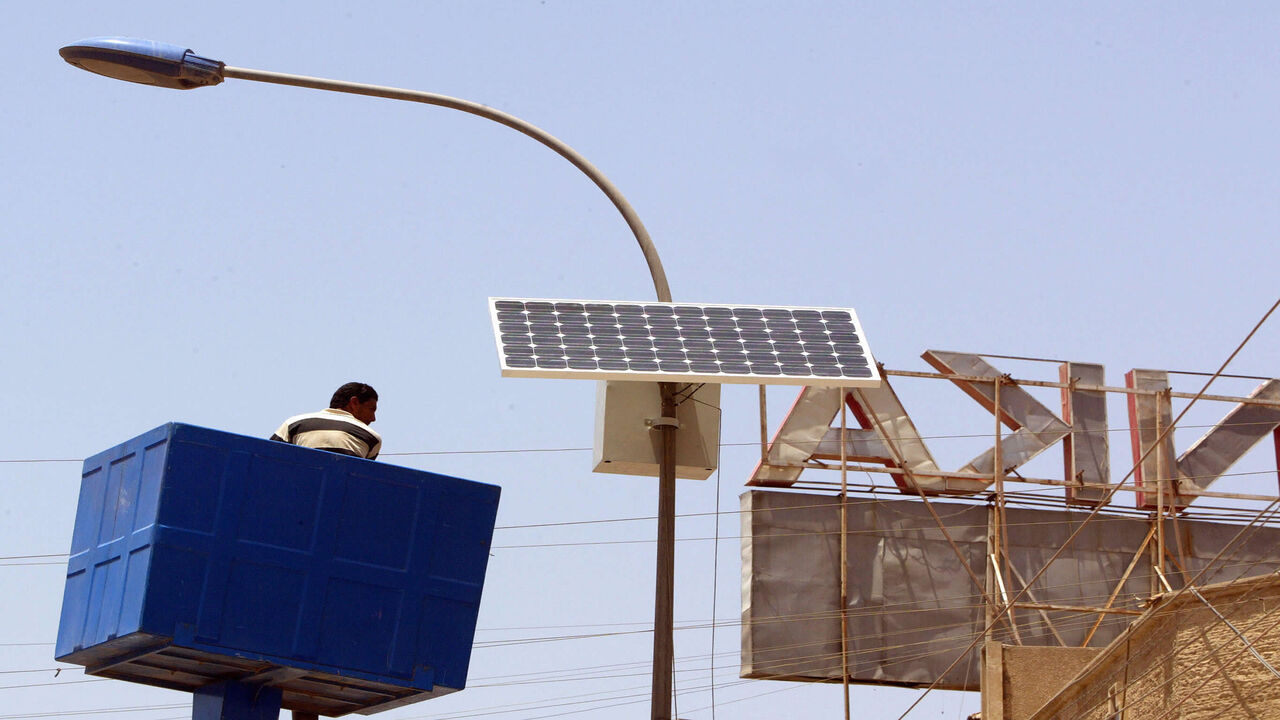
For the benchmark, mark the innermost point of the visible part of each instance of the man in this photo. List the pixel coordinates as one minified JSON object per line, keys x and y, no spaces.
{"x":342,"y":428}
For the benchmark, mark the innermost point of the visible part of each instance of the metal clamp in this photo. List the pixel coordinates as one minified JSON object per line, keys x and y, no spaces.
{"x":662,"y":422}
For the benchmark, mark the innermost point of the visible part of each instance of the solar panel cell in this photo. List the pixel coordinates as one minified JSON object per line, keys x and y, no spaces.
{"x":706,"y":343}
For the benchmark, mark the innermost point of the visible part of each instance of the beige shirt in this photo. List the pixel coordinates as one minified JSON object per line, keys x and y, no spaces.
{"x":333,"y":430}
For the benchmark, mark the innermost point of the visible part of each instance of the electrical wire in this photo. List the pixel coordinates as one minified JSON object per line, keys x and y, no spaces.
{"x":64,"y":713}
{"x":1165,"y":433}
{"x":1158,"y":662}
{"x":723,"y":445}
{"x":715,"y":586}
{"x":48,"y":684}
{"x":716,"y":538}
{"x":1169,"y":598}
{"x":1016,"y":499}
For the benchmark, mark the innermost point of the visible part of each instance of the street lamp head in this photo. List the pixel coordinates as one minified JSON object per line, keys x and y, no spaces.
{"x":143,"y":61}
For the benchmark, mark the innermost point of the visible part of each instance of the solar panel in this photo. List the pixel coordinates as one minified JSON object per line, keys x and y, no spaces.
{"x":612,"y":340}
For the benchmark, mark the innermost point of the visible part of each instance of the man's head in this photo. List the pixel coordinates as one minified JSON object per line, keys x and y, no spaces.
{"x":358,"y":399}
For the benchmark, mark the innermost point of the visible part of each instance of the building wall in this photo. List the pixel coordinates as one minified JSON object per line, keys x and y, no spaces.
{"x":1028,"y":677}
{"x":1181,"y":661}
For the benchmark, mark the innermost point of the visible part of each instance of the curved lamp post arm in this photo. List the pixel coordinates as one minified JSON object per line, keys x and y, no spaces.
{"x":560,"y":147}
{"x":663,"y":655}
{"x":173,"y":66}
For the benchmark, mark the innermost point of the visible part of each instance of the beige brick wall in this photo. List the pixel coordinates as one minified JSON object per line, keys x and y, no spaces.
{"x":1033,"y":675}
{"x":1180,"y":661}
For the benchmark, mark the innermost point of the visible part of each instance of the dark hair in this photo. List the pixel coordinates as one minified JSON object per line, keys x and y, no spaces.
{"x":357,"y":390}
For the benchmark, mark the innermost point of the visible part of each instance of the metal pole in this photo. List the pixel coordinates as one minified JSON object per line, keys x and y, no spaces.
{"x":664,"y":586}
{"x":664,"y":592}
{"x":1158,"y":565}
{"x":764,"y":431}
{"x":991,"y":678}
{"x":998,"y":478}
{"x":1276,"y":436}
{"x":844,"y":549}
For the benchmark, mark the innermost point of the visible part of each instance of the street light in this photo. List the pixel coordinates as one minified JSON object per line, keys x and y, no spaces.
{"x":173,"y":66}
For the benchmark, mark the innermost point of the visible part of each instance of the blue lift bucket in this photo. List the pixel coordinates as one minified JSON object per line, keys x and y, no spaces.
{"x":260,"y":575}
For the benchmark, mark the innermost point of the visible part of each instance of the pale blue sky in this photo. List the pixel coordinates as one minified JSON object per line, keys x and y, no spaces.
{"x":1095,"y":182}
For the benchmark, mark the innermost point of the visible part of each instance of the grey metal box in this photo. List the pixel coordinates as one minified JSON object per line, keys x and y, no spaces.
{"x":627,"y":444}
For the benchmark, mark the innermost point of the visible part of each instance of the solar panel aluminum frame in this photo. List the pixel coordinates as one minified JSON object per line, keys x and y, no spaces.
{"x":834,"y":334}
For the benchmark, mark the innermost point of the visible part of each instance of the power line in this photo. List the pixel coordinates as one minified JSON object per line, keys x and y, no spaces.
{"x":48,"y":684}
{"x":1165,"y":433}
{"x":64,"y":713}
{"x":754,"y":443}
